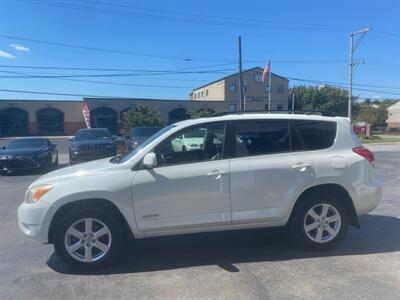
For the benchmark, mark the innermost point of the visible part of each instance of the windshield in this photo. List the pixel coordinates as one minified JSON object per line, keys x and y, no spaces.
{"x":143,"y":131}
{"x":27,"y":143}
{"x":92,"y":135}
{"x":129,"y":155}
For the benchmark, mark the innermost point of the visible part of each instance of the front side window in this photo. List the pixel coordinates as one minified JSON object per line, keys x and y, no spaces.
{"x":258,"y":137}
{"x":312,"y":135}
{"x":194,"y":144}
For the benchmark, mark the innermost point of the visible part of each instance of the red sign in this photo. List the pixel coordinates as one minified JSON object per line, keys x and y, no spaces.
{"x":86,"y":114}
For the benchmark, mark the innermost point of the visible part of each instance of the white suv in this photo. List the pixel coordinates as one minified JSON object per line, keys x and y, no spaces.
{"x":306,"y":172}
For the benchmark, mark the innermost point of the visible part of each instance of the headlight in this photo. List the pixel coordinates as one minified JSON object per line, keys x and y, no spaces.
{"x":34,"y":194}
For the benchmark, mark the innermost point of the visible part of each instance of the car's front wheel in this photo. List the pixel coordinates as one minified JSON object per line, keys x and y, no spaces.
{"x":319,"y":223}
{"x":88,"y":239}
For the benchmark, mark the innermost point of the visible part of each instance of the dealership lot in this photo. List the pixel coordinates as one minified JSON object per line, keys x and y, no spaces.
{"x":256,"y":264}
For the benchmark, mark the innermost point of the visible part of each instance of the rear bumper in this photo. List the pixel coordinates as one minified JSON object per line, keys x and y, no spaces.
{"x":367,"y":196}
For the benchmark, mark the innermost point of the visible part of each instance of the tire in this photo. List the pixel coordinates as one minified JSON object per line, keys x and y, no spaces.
{"x":305,"y":227}
{"x":101,"y":257}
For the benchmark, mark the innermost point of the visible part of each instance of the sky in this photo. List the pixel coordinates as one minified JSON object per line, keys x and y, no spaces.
{"x":164,"y":48}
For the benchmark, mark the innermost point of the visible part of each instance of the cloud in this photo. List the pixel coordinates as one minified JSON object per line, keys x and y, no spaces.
{"x":6,"y":55}
{"x":20,"y":47}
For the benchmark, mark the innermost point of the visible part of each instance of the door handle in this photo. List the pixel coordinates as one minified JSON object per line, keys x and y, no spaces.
{"x":301,"y":166}
{"x":216,"y":173}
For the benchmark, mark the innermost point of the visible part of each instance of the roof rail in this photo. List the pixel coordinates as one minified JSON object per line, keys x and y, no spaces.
{"x":305,"y":112}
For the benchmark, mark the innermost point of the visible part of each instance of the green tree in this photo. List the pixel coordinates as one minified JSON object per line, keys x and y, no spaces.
{"x":201,"y":113}
{"x":326,"y":98}
{"x":141,"y":115}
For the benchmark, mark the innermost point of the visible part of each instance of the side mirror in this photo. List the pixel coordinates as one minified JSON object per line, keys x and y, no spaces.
{"x":150,"y":160}
{"x":114,"y":137}
{"x":71,"y":139}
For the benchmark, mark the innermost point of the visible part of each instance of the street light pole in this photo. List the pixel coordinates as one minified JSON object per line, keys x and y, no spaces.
{"x":353,"y":48}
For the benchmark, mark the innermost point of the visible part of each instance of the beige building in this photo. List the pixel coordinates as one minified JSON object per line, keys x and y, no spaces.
{"x":256,"y":91}
{"x":394,"y":116}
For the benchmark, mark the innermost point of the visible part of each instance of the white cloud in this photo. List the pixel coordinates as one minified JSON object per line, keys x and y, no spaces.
{"x":6,"y":55}
{"x":19,"y":47}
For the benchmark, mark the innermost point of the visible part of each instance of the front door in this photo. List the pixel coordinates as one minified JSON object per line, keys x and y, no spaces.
{"x":189,"y":188}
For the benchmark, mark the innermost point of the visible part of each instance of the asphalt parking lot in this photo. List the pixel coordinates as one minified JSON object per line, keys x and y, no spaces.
{"x":255,"y":264}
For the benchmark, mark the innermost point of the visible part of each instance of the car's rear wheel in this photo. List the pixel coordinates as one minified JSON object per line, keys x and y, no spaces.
{"x":319,"y":223}
{"x":88,"y":239}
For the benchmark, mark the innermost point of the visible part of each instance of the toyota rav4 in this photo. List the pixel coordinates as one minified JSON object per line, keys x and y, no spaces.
{"x":307,"y":173}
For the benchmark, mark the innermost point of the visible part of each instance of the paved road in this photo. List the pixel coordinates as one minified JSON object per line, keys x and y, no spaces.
{"x":255,"y":264}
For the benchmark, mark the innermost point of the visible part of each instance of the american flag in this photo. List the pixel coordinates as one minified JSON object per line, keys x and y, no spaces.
{"x":267,"y":69}
{"x":86,"y":114}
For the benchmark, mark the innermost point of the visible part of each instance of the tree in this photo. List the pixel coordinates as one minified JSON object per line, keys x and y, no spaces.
{"x":201,"y":113}
{"x":325,"y":98}
{"x":141,"y":115}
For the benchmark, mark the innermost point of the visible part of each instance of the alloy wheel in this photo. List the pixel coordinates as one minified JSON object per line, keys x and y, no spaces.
{"x":322,"y":223}
{"x":88,"y":240}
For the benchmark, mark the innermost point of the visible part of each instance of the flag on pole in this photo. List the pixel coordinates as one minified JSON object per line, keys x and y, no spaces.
{"x":86,"y":114}
{"x":266,"y":71}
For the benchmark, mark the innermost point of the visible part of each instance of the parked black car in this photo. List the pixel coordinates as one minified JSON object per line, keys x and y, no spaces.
{"x":137,"y":135}
{"x":27,"y":154}
{"x":91,"y":144}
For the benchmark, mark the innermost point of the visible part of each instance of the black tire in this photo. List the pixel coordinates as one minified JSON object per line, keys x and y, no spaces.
{"x":109,"y":219}
{"x":297,"y":222}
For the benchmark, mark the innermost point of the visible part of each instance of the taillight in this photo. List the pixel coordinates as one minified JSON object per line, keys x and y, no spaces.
{"x":364,"y":152}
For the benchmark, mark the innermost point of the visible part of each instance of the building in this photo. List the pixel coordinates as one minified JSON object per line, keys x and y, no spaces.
{"x":393,"y":121}
{"x":256,"y":91}
{"x":56,"y":117}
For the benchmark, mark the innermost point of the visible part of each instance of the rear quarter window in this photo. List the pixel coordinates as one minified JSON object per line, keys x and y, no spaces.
{"x":312,"y":135}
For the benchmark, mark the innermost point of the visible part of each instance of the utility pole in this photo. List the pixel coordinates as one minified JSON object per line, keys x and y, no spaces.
{"x":241,"y":100}
{"x":352,"y":49}
{"x":292,"y":100}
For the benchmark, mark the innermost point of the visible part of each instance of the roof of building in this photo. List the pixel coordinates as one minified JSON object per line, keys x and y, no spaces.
{"x":395,"y":106}
{"x":234,"y":74}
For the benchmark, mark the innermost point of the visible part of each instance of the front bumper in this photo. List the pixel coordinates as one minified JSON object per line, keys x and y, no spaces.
{"x":34,"y":219}
{"x":26,"y":163}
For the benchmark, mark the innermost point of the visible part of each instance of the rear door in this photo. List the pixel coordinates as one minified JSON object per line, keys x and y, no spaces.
{"x":265,"y":175}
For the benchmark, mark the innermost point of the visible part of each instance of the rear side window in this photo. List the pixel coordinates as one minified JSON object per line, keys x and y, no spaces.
{"x":260,"y":137}
{"x":312,"y":135}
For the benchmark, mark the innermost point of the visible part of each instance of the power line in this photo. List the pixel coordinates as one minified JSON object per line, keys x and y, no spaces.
{"x":59,"y":94}
{"x":343,"y":86}
{"x":109,"y":69}
{"x":124,"y":52}
{"x":110,"y":82}
{"x":212,"y":21}
{"x":160,"y":73}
